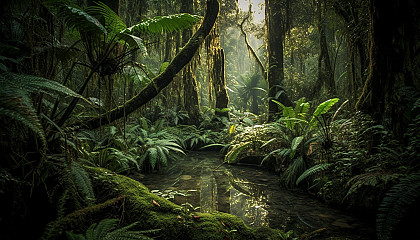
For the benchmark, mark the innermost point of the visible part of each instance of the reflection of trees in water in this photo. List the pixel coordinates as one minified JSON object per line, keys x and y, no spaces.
{"x":249,"y":202}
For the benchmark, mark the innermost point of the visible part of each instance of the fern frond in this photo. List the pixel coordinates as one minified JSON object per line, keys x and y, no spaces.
{"x":15,"y":101}
{"x":73,"y":236}
{"x":395,"y":205}
{"x":152,"y":156}
{"x":313,"y":170}
{"x":82,"y":182}
{"x":295,"y":169}
{"x":102,"y":229}
{"x":368,"y":179}
{"x":165,"y":24}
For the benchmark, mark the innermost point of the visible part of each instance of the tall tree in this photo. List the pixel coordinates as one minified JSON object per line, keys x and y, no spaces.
{"x":275,"y":27}
{"x":191,"y":94}
{"x":394,"y":32}
{"x":216,"y":69}
{"x":325,"y":71}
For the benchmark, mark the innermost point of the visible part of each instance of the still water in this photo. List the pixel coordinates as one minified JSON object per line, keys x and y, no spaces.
{"x":199,"y":183}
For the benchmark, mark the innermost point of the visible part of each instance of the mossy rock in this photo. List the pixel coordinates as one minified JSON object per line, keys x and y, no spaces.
{"x":255,"y":139}
{"x":131,"y":201}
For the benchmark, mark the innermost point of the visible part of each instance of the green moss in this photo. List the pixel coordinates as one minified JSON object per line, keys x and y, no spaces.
{"x":138,"y":204}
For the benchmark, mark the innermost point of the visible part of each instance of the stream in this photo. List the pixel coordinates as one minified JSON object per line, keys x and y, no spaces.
{"x":251,"y":193}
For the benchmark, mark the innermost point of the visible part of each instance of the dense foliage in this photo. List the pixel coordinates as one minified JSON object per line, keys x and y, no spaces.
{"x":89,"y":90}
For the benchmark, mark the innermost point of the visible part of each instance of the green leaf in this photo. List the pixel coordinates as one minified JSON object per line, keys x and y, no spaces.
{"x":232,"y":155}
{"x":302,"y":107}
{"x":268,"y":142}
{"x":295,"y":144}
{"x":222,"y":110}
{"x":248,"y":121}
{"x":163,"y":67}
{"x":152,"y":157}
{"x":322,"y":109}
{"x":133,"y":41}
{"x":325,"y":107}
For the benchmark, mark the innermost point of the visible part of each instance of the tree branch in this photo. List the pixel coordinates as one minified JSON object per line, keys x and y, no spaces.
{"x":254,"y":54}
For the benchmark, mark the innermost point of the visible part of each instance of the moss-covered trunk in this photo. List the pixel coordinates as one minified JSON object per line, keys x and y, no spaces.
{"x":191,"y":95}
{"x":216,"y":71}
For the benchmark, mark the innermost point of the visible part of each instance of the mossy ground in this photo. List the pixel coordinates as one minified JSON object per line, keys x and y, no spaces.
{"x":131,"y":201}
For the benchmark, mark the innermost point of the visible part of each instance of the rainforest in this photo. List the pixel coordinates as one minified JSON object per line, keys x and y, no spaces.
{"x":209,"y":119}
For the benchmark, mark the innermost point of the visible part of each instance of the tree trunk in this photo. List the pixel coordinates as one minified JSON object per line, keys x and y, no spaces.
{"x":393,"y":24}
{"x":325,"y":71}
{"x":219,"y":83}
{"x":275,"y":71}
{"x":163,"y":79}
{"x":191,"y":95}
{"x":216,"y":71}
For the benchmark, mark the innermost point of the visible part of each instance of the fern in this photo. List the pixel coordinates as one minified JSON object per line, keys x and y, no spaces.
{"x":16,"y":103}
{"x":82,"y":182}
{"x":368,"y":179}
{"x":395,"y":205}
{"x":313,"y":170}
{"x":107,"y":229}
{"x":295,"y":170}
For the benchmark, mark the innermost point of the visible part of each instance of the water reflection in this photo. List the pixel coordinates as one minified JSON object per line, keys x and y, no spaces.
{"x":250,"y":193}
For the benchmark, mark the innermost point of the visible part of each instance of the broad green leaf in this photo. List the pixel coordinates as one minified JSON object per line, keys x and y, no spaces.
{"x":325,"y":107}
{"x":132,"y":41}
{"x":248,"y":121}
{"x":296,"y":142}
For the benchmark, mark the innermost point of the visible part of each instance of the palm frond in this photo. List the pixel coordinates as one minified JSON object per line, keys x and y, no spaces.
{"x":165,"y":24}
{"x":113,"y":23}
{"x":76,"y":18}
{"x":396,"y":204}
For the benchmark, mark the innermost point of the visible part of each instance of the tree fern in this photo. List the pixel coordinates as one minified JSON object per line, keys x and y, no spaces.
{"x":313,"y":170}
{"x":395,"y":205}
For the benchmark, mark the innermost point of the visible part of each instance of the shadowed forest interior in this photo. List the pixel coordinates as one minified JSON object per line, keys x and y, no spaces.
{"x":209,"y":119}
